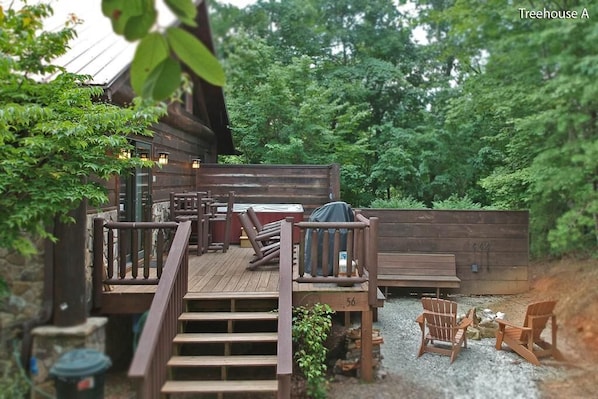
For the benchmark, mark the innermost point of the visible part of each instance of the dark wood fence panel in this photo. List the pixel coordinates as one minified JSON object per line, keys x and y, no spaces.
{"x":497,"y":242}
{"x":309,"y":185}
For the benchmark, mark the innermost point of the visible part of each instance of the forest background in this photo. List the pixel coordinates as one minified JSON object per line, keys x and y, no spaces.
{"x":492,"y":110}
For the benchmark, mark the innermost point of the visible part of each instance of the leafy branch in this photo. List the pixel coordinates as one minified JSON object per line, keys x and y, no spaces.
{"x":156,"y":70}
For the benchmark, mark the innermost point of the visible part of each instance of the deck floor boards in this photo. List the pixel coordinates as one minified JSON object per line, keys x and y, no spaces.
{"x":227,"y":272}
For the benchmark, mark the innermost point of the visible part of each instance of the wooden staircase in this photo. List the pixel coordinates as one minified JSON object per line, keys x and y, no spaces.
{"x":226,"y":347}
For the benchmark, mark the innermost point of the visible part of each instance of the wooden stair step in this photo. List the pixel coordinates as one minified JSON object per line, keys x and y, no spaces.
{"x":224,"y":316}
{"x":174,"y":387}
{"x":215,"y":361}
{"x":230,"y":295}
{"x":197,"y":338}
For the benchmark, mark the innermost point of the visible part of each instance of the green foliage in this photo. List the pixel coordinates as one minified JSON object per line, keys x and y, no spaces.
{"x":398,"y":203}
{"x":456,"y":203}
{"x":13,"y":384}
{"x":495,"y":110}
{"x":56,"y":140}
{"x":155,"y":73}
{"x":311,"y":326}
{"x":532,"y":97}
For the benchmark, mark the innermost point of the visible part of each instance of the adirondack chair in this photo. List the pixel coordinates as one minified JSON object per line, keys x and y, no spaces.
{"x":526,"y":340}
{"x":438,"y":322}
{"x":265,"y":252}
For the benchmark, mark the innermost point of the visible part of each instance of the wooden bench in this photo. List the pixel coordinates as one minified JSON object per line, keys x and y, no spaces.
{"x":400,"y":269}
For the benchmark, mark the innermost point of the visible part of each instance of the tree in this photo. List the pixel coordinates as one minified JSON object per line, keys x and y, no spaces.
{"x":335,"y":97}
{"x":57,"y":140}
{"x":532,"y":98}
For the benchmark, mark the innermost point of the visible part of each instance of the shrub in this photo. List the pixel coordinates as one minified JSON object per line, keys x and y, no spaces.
{"x":311,"y":326}
{"x":456,"y":202}
{"x":398,"y":203}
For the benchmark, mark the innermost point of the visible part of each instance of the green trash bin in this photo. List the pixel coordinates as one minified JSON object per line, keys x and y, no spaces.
{"x":79,"y":374}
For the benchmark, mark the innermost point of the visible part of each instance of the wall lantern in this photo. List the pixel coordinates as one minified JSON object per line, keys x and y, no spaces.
{"x":163,"y":158}
{"x":196,"y":163}
{"x":124,"y":154}
{"x":143,"y":156}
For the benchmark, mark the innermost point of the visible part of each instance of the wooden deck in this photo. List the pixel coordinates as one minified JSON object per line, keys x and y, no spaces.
{"x":226,"y":273}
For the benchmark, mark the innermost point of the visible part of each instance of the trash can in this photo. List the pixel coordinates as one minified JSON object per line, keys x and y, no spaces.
{"x":79,"y":374}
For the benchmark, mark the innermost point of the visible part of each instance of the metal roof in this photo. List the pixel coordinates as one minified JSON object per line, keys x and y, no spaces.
{"x":96,"y":51}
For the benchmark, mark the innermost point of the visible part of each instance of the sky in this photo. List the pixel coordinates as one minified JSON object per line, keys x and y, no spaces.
{"x":238,"y":3}
{"x":419,"y":35}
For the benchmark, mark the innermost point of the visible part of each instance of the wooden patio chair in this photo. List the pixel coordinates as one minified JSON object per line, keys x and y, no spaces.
{"x":438,"y":322}
{"x":262,"y":228}
{"x":189,"y":206}
{"x":216,"y":216}
{"x":265,"y":252}
{"x":526,"y":340}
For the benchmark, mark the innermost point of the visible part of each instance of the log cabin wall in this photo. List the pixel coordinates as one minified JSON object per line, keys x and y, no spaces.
{"x":309,"y":185}
{"x":183,"y":147}
{"x":496,"y":241}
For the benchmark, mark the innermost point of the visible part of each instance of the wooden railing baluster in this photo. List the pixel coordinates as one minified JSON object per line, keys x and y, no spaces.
{"x":122,"y":253}
{"x":147,"y":254}
{"x":160,"y":253}
{"x":110,"y":255}
{"x":134,"y":253}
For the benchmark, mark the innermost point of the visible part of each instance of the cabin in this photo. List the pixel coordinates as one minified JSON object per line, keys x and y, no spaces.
{"x":195,"y":322}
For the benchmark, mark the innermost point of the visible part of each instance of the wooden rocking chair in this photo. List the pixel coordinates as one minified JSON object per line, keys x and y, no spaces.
{"x":526,"y":339}
{"x":438,"y":322}
{"x":262,"y":227}
{"x":265,"y":252}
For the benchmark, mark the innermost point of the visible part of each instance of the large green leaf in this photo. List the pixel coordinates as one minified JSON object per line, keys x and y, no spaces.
{"x":196,"y":56}
{"x":164,"y":79}
{"x":139,"y":25}
{"x":151,"y":51}
{"x":184,"y":9}
{"x":120,"y":11}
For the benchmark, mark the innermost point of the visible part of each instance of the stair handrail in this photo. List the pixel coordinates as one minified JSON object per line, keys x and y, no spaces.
{"x":148,"y":367}
{"x":284,"y":368}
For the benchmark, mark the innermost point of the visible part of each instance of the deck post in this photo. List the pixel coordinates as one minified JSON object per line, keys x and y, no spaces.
{"x":70,"y":308}
{"x":366,"y":345}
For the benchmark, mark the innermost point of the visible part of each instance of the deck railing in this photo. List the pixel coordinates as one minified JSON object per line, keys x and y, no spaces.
{"x":142,"y":253}
{"x":148,"y":367}
{"x":344,"y":253}
{"x":284,"y":368}
{"x":128,"y":253}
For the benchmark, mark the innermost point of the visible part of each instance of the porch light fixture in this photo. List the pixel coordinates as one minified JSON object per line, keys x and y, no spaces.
{"x":143,"y":156}
{"x":124,"y":154}
{"x":196,"y":163}
{"x":163,"y":158}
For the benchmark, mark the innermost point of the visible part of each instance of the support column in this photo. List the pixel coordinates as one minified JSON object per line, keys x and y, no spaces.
{"x":367,"y":373}
{"x":69,"y":269}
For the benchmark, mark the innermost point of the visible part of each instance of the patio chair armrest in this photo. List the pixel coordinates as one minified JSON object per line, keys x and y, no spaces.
{"x":466,"y":322}
{"x":267,"y":235}
{"x":508,"y":324}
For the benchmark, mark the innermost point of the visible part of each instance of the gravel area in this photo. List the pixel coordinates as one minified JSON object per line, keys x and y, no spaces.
{"x":480,"y":371}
